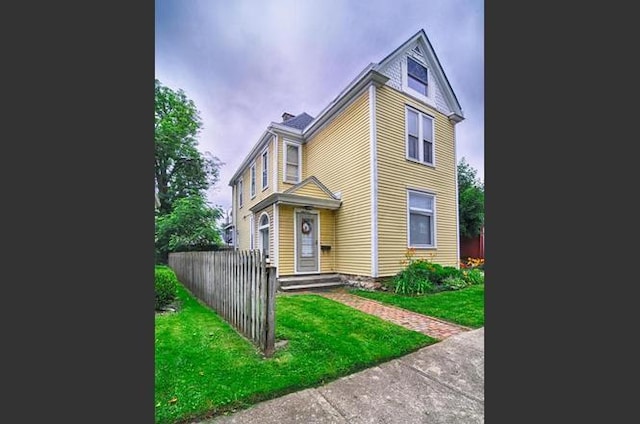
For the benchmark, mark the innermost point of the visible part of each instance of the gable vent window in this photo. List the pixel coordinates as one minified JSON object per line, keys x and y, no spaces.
{"x":417,"y":77}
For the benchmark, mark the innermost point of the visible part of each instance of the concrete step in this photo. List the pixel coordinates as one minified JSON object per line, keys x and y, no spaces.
{"x":310,"y":286}
{"x":308,"y":279}
{"x":314,"y":281}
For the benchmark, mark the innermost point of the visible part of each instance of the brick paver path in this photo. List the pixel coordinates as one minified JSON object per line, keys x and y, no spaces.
{"x":430,"y":326}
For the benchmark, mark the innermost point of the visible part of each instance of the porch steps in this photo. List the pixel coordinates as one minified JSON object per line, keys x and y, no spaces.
{"x":303,"y":282}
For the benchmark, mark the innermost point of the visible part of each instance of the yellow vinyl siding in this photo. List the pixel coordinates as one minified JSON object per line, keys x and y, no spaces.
{"x":396,"y":174}
{"x":327,"y":238}
{"x":338,"y":155}
{"x":285,"y":253}
{"x":242,"y":216}
{"x":312,"y":190}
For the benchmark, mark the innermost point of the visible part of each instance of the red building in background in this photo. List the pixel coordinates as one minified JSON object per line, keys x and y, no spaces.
{"x":472,"y":247}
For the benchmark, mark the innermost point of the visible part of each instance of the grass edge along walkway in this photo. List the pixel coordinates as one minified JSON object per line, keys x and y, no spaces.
{"x":463,"y":307}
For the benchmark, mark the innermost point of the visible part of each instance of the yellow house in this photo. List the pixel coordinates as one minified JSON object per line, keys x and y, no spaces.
{"x":347,"y":192}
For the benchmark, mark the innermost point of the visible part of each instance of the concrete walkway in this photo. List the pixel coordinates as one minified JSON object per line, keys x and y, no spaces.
{"x":430,"y":326}
{"x":441,"y":383}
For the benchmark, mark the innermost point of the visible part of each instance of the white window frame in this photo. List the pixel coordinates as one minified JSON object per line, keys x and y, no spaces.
{"x":265,"y":169}
{"x":260,"y":236}
{"x":252,"y":230}
{"x":420,"y":136}
{"x":431,"y":88}
{"x":284,"y":162}
{"x":428,"y":86}
{"x":425,"y":212}
{"x":240,"y":190}
{"x":252,"y":178}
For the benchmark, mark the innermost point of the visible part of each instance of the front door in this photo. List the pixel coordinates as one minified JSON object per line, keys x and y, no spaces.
{"x":306,"y":242}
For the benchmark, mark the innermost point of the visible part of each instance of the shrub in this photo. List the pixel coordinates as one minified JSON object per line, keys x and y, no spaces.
{"x":473,"y":276}
{"x":411,"y":281}
{"x":442,"y":273}
{"x":454,"y":283}
{"x":166,"y":286}
{"x":415,"y":277}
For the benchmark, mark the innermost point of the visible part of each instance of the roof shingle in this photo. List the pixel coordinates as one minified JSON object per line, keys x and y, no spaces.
{"x":300,"y":121}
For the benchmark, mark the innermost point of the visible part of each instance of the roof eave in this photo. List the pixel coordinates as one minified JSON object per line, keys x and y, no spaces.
{"x":370,"y":77}
{"x":257,"y":147}
{"x":296,"y":200}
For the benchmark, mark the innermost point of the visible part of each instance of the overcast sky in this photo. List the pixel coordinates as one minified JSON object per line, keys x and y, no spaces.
{"x":245,"y":62}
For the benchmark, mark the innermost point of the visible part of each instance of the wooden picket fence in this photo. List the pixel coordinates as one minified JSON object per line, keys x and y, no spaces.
{"x":237,"y":285}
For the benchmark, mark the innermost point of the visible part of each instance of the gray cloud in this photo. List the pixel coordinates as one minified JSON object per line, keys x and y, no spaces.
{"x":244,"y":62}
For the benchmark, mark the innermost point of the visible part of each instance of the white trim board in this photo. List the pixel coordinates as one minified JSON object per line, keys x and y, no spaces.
{"x":373,"y":157}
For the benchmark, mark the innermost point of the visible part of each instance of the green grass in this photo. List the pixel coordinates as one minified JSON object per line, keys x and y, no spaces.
{"x":203,"y":367}
{"x":464,"y":307}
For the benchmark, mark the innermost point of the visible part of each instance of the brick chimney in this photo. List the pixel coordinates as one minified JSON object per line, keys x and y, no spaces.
{"x":286,"y":116}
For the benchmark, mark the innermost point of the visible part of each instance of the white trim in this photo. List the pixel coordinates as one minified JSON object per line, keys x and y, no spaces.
{"x":457,"y":200}
{"x":251,"y":231}
{"x":295,"y":241}
{"x":433,"y":215}
{"x":285,"y":129}
{"x":276,"y":239}
{"x":275,"y":163}
{"x":240,"y":190}
{"x":262,"y":227}
{"x":373,"y":156}
{"x":421,"y":114}
{"x":422,"y":190}
{"x":284,"y":160}
{"x":265,"y":151}
{"x":253,"y":180}
{"x":234,"y":211}
{"x":254,"y":150}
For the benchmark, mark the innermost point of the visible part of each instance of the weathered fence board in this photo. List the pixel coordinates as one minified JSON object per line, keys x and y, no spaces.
{"x":237,"y":285}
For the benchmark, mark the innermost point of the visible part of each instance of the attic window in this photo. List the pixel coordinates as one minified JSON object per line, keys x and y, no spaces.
{"x":417,"y":77}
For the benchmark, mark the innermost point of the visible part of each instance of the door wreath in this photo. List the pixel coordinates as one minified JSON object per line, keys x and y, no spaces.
{"x":306,"y":227}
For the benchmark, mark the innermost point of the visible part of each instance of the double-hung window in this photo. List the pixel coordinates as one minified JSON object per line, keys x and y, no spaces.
{"x":417,"y":77}
{"x":420,"y":137}
{"x":421,"y":217}
{"x":265,"y":169}
{"x":292,"y":161}
{"x":253,"y":180}
{"x":240,"y":188}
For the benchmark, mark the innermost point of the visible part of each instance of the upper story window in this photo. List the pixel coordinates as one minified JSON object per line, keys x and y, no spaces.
{"x":421,"y":219}
{"x":253,"y":180}
{"x":292,"y":162}
{"x":420,"y":137}
{"x":239,"y":189}
{"x":265,"y":169}
{"x":417,"y":77}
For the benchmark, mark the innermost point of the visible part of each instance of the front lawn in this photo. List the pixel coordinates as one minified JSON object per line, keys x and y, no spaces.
{"x":464,"y":306}
{"x":203,"y":367}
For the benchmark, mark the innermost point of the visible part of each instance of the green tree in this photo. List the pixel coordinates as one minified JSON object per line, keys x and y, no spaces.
{"x":184,"y":221}
{"x":470,"y":200}
{"x":192,"y":225}
{"x":181,"y":170}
